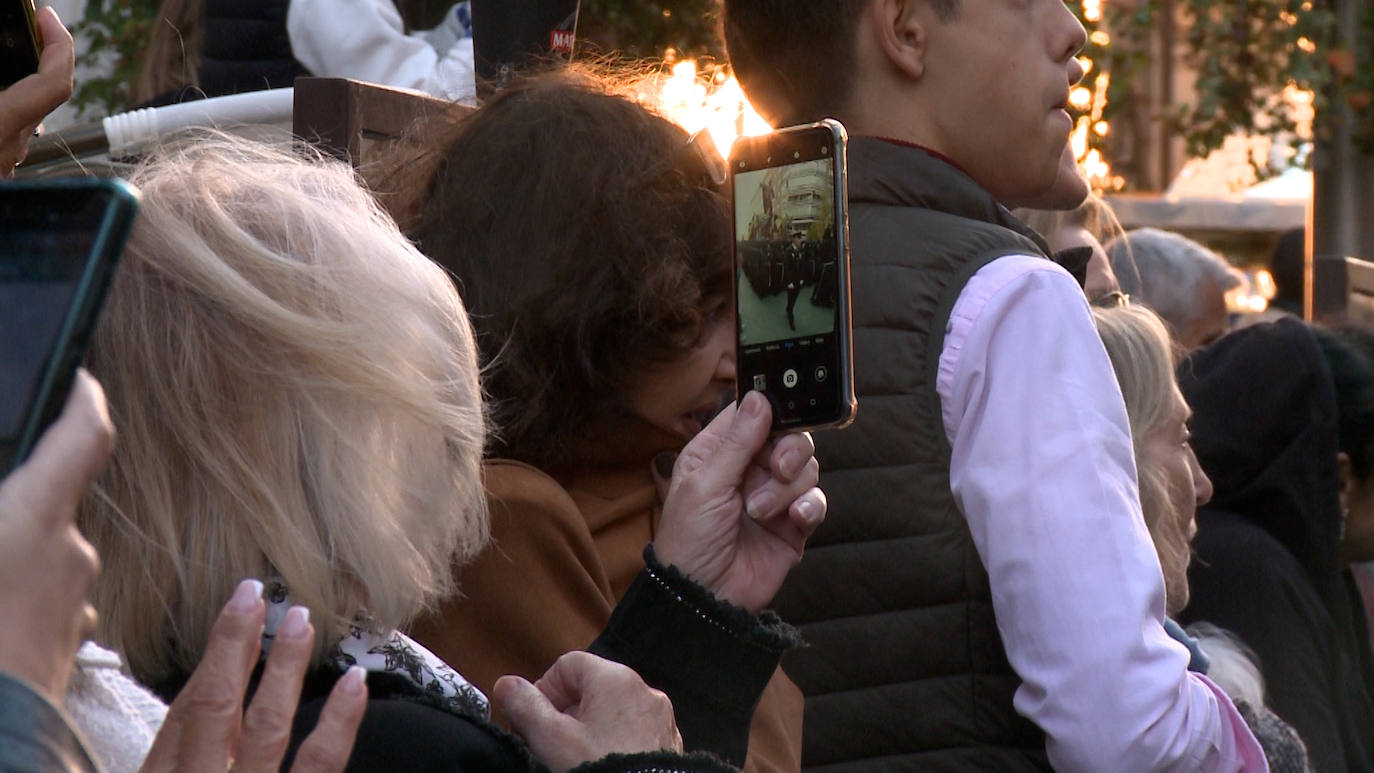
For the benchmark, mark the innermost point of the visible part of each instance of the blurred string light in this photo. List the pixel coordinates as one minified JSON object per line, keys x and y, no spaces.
{"x":1089,"y":101}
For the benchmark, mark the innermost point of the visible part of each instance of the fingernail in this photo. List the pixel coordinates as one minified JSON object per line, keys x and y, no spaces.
{"x":809,"y":511}
{"x":351,"y":683}
{"x":246,"y":597}
{"x":761,"y":504}
{"x":791,"y":464}
{"x":296,"y":624}
{"x":663,"y":463}
{"x":752,"y":406}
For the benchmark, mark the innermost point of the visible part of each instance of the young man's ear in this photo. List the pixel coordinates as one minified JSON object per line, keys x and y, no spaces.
{"x":900,"y":33}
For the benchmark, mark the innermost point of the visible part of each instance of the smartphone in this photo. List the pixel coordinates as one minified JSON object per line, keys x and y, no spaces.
{"x":18,"y":41}
{"x":792,"y":316}
{"x":60,"y":241}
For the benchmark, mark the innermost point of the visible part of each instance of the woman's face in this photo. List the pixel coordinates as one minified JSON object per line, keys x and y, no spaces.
{"x":1166,"y":448}
{"x":681,"y":396}
{"x":1101,"y":279}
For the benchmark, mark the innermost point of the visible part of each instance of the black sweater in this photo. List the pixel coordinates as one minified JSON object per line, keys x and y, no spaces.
{"x":1268,"y":562}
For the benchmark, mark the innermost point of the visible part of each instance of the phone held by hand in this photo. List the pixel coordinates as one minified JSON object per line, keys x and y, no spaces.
{"x":792,"y":274}
{"x":19,"y":48}
{"x":60,"y":240}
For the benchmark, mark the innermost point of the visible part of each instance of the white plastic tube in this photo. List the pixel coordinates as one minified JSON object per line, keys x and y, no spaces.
{"x":129,"y":132}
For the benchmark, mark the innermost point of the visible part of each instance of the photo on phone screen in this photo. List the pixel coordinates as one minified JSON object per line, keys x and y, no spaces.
{"x":59,"y":243}
{"x":792,"y":288}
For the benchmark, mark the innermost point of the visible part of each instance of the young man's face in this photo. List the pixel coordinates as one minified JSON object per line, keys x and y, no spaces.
{"x":998,"y":73}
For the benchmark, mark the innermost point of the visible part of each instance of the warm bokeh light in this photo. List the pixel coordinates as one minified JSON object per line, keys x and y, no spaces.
{"x":712,"y":100}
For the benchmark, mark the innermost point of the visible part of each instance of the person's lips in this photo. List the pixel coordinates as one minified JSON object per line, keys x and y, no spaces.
{"x":696,"y":419}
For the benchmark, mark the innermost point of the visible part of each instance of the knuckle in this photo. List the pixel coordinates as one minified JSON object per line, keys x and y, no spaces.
{"x":266,"y":724}
{"x":318,"y":754}
{"x":214,"y":696}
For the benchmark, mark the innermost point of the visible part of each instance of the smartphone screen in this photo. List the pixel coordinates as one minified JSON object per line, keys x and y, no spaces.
{"x":18,"y":41}
{"x":58,"y":246}
{"x":792,"y":274}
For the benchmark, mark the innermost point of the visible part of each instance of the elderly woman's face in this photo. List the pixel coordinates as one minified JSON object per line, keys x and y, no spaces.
{"x":681,"y":396}
{"x":1166,"y":448}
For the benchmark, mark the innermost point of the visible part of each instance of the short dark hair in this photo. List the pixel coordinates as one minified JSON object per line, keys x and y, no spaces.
{"x":795,"y":59}
{"x":585,"y":236}
{"x":1349,"y":354}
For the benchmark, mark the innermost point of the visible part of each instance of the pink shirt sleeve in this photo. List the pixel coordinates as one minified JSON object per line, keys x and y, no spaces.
{"x":1044,"y":472}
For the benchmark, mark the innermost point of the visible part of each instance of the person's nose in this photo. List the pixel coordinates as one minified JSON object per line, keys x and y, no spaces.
{"x":725,"y":364}
{"x":1075,"y":37}
{"x":1202,"y":485}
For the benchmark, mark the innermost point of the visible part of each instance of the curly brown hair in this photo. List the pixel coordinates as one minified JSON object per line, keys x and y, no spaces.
{"x":585,"y":235}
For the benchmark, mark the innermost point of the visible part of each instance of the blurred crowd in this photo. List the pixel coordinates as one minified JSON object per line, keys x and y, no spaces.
{"x":449,"y":471}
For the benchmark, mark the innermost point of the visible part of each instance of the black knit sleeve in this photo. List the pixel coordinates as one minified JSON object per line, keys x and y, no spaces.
{"x":711,"y":658}
{"x":656,"y":762}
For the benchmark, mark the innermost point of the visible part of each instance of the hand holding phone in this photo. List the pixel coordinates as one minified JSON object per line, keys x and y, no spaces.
{"x":59,"y":243}
{"x":792,"y":274}
{"x":31,"y":85}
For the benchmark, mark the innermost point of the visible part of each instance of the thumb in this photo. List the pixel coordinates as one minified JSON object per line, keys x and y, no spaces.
{"x":72,"y":452}
{"x":524,"y":705}
{"x":720,"y":454}
{"x":662,"y":470}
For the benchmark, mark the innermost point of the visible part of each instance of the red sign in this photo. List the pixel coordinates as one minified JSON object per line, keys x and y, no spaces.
{"x":561,"y":40}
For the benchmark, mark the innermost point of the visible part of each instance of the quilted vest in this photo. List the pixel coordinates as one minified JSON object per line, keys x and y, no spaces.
{"x":246,"y":47}
{"x":905,"y":668}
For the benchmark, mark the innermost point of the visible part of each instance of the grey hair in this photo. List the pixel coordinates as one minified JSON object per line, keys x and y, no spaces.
{"x":1164,"y":271}
{"x":1233,"y":665}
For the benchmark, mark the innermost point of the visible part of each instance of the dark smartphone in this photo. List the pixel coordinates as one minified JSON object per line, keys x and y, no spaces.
{"x":59,"y":243}
{"x":18,"y":41}
{"x":792,"y":274}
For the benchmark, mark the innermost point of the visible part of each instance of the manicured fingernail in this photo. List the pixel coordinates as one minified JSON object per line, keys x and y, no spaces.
{"x":351,"y":683}
{"x":809,"y":511}
{"x":761,"y":504}
{"x":664,"y":462}
{"x":752,"y":405}
{"x":246,"y":597}
{"x":296,"y":624}
{"x":791,"y":464}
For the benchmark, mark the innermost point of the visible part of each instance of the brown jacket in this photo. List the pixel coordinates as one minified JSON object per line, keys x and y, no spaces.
{"x":562,"y":555}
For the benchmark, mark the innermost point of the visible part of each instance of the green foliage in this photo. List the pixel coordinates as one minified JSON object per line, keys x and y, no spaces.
{"x":648,"y":28}
{"x":1354,"y":74}
{"x":118,"y":31}
{"x":1245,"y":52}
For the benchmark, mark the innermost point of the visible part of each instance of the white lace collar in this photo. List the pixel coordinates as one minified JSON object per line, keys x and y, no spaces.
{"x":391,"y":653}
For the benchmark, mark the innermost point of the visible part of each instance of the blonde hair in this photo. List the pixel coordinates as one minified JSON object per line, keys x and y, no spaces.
{"x":172,"y":56}
{"x":1094,"y":215}
{"x":296,"y":395}
{"x":1143,"y":357}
